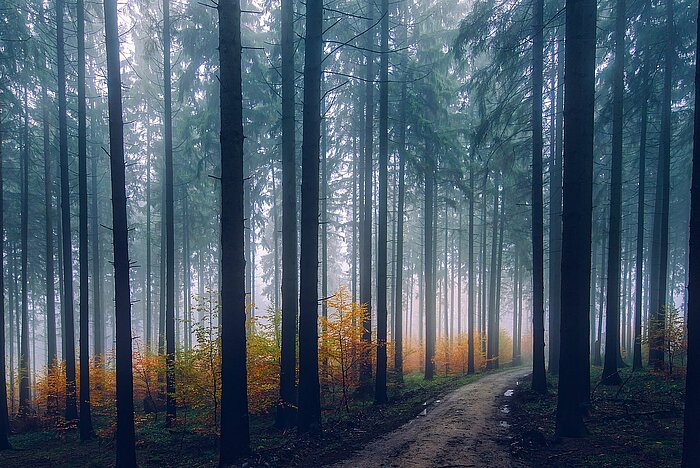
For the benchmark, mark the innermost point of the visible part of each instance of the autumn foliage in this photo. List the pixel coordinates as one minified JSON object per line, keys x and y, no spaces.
{"x":198,"y":370}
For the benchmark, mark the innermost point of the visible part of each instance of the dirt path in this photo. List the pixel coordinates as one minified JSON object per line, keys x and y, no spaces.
{"x":460,"y":431}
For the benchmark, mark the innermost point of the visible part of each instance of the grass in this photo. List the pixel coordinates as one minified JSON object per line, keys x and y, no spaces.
{"x":344,"y":433}
{"x":638,"y":424}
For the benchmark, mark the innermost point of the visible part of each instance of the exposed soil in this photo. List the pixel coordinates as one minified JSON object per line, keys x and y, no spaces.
{"x":465,"y":429}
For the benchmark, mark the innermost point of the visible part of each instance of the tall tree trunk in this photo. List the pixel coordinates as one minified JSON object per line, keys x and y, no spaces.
{"x":691,"y":427}
{"x":472,"y":279}
{"x":492,"y":343}
{"x":86,"y":430}
{"x":125,"y":446}
{"x":52,"y":352}
{"x":574,"y":370}
{"x":4,"y":415}
{"x":539,"y":376}
{"x":612,"y":317}
{"x":366,"y":231}
{"x":24,"y":364}
{"x":97,"y":306}
{"x":171,"y":404}
{"x":309,"y":420}
{"x":67,"y":304}
{"x":380,"y":393}
{"x":661,"y":206}
{"x":286,"y":409}
{"x":398,"y":289}
{"x":163,"y":273}
{"x":641,"y":191}
{"x":430,"y":317}
{"x":149,"y":265}
{"x":555,"y":191}
{"x":235,"y":436}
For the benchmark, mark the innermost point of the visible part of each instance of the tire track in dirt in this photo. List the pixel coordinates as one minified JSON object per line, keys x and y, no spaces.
{"x":461,"y":430}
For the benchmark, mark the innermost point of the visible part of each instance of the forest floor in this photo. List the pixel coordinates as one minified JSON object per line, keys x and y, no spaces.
{"x":345,"y":433}
{"x":639,"y":424}
{"x":461,"y":430}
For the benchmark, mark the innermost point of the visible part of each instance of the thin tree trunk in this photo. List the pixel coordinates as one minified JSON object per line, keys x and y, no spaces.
{"x":366,"y":231}
{"x":171,"y":405}
{"x":398,"y":300}
{"x":86,"y":430}
{"x":555,"y":218}
{"x":612,"y":317}
{"x":67,"y":305}
{"x":641,"y":191}
{"x":52,"y":354}
{"x":472,"y":280}
{"x":4,"y":415}
{"x":286,"y":409}
{"x":430,"y":317}
{"x":539,"y":376}
{"x":380,"y":392}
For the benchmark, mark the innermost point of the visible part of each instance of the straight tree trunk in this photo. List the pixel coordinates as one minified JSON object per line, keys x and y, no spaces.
{"x":574,"y":371}
{"x":398,"y":300}
{"x":97,"y":306}
{"x":380,"y":392}
{"x":309,"y":418}
{"x":171,"y":404}
{"x":286,"y":409}
{"x":366,"y":231}
{"x":555,"y":191}
{"x":612,"y":317}
{"x":125,"y":438}
{"x":639,"y":266}
{"x":429,"y":301}
{"x":149,"y":264}
{"x":691,"y":427}
{"x":472,"y":279}
{"x":491,"y":345}
{"x":52,"y":352}
{"x":67,"y":304}
{"x":235,"y":436}
{"x":24,"y":364}
{"x":86,"y":430}
{"x":539,"y":376}
{"x":4,"y":415}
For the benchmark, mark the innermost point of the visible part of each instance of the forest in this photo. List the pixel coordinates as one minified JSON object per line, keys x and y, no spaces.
{"x":349,"y":233}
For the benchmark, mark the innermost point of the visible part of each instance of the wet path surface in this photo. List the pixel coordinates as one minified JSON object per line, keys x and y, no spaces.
{"x":462,"y":430}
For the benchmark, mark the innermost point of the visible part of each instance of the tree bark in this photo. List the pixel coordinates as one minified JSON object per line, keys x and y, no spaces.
{"x":171,"y":404}
{"x":539,"y":376}
{"x":286,"y":409}
{"x":366,"y":231}
{"x":691,"y":427}
{"x":4,"y":415}
{"x":574,"y":383}
{"x":309,"y":418}
{"x":67,"y":304}
{"x":429,"y":301}
{"x":235,"y":436}
{"x":86,"y":430}
{"x":125,"y":439}
{"x":555,"y":218}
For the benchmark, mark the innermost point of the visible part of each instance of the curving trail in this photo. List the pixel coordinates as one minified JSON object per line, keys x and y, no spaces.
{"x":460,"y":431}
